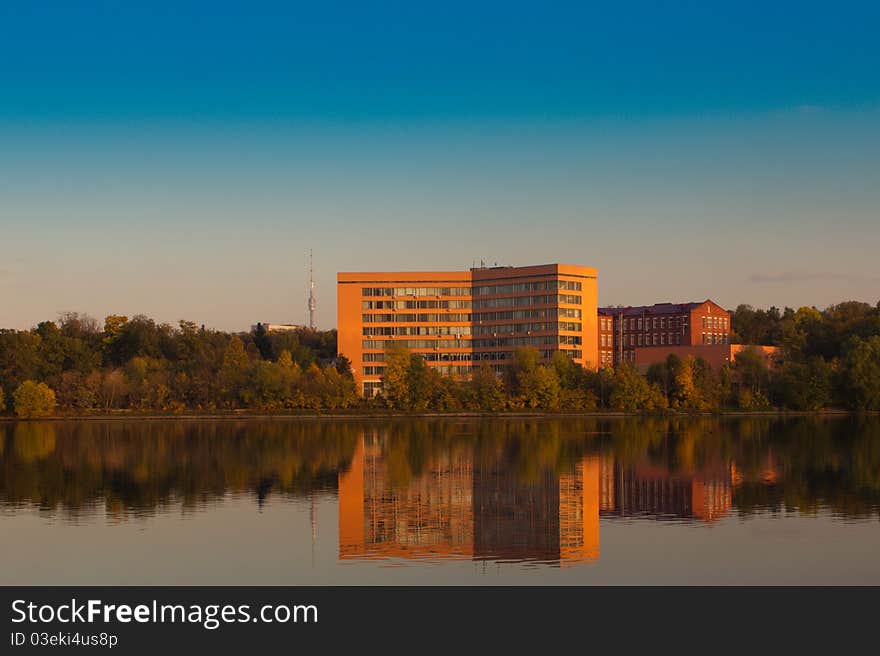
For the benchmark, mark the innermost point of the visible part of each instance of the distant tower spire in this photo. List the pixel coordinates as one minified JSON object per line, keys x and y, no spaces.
{"x":312,"y":302}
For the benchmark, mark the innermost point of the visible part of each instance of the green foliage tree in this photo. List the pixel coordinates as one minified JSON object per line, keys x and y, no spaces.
{"x":861,"y":374}
{"x":34,"y":399}
{"x":803,"y":385}
{"x":633,"y":393}
{"x":752,"y":377}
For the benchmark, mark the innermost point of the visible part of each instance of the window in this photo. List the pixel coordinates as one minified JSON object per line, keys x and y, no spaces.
{"x":640,"y":323}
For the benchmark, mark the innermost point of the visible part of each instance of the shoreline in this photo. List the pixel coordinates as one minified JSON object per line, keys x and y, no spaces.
{"x":264,"y":416}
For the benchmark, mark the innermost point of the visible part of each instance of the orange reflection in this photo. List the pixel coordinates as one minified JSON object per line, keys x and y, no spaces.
{"x":467,"y":507}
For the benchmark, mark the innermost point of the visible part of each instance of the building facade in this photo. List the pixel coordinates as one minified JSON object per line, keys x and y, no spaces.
{"x":622,"y":330}
{"x":458,"y":320}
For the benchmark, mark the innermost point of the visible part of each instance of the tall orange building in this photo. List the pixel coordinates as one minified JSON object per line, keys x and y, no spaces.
{"x":456,"y":320}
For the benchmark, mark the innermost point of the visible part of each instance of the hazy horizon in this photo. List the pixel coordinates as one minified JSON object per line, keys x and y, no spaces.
{"x":180,"y":163}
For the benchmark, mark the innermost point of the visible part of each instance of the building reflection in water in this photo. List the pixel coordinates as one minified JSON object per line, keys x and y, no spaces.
{"x":467,"y":507}
{"x":648,"y":490}
{"x":470,"y":505}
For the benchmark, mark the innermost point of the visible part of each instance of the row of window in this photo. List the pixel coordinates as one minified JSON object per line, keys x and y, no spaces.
{"x":607,"y":357}
{"x":413,"y":344}
{"x":520,"y":301}
{"x":448,"y":370}
{"x":431,"y":356}
{"x":543,"y":340}
{"x":416,"y":291}
{"x":506,"y":355}
{"x":660,"y":339}
{"x":488,"y":356}
{"x":416,"y":305}
{"x":654,"y":339}
{"x":714,"y":322}
{"x":541,"y":327}
{"x":663,"y":323}
{"x":538,"y":313}
{"x":406,"y":317}
{"x":416,"y":330}
{"x":653,"y":323}
{"x":523,"y":287}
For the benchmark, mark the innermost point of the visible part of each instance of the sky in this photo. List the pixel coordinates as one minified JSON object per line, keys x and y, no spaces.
{"x":180,"y":159}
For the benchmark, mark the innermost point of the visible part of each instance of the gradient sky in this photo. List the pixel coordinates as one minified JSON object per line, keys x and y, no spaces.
{"x":179,"y":159}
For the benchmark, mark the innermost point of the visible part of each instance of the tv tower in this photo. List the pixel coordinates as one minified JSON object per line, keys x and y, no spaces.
{"x":312,"y":302}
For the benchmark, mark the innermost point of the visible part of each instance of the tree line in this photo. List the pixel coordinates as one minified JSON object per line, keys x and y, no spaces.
{"x":76,"y":366}
{"x":829,"y":358}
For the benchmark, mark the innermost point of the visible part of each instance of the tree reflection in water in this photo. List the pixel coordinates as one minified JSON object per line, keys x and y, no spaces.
{"x":500,"y":475}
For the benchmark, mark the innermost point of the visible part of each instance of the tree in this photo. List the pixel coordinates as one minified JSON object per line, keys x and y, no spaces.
{"x":395,"y":378}
{"x":569,"y":372}
{"x":663,"y":373}
{"x":633,"y":393}
{"x":803,"y":385}
{"x":343,"y":366}
{"x":487,"y":388}
{"x":524,"y":361}
{"x":234,"y":371}
{"x":861,"y":374}
{"x":34,"y":399}
{"x":540,"y":388}
{"x":752,"y":371}
{"x":421,"y":382}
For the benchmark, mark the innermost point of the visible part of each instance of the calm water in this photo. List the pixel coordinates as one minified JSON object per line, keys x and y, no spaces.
{"x":458,"y":501}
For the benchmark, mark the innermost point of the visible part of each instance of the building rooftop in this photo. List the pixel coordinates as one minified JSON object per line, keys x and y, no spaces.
{"x":657,"y":308}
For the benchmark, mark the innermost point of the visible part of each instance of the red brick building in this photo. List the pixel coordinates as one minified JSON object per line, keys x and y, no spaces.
{"x":622,"y":330}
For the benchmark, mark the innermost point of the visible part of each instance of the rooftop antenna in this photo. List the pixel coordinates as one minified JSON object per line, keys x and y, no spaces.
{"x":312,"y":302}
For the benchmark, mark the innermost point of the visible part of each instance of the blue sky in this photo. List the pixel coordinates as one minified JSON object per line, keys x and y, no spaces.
{"x":179,"y":159}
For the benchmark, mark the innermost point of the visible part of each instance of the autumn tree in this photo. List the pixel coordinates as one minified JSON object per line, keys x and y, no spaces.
{"x":488,"y":390}
{"x":633,"y":393}
{"x":395,"y":378}
{"x":34,"y":399}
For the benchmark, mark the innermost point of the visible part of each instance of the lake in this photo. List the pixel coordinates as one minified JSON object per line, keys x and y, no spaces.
{"x":516,"y":500}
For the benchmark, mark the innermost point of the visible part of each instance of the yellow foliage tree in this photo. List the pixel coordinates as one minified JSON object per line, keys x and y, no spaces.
{"x":34,"y":399}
